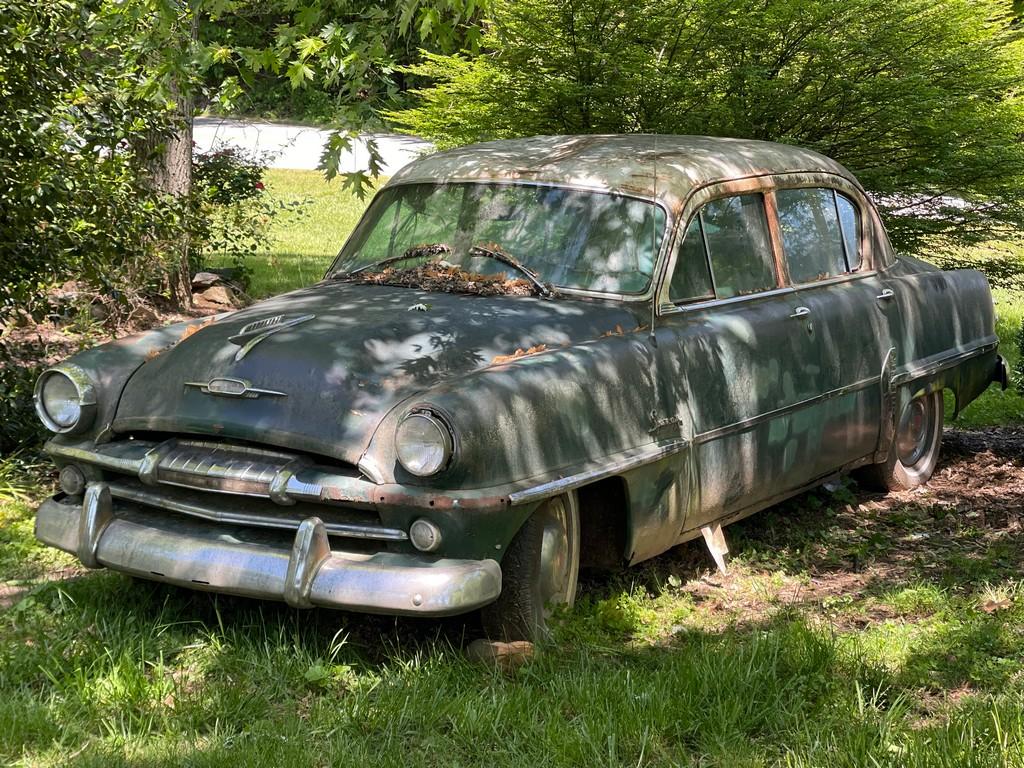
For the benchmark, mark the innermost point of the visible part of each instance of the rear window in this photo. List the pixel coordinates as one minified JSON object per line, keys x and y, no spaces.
{"x":819,"y":233}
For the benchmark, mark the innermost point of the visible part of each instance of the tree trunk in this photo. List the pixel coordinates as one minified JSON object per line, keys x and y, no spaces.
{"x":172,"y":174}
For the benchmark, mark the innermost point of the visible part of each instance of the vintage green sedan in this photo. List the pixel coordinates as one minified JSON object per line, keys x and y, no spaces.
{"x":531,"y":356}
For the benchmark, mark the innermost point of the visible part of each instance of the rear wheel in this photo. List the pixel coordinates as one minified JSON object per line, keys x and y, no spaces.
{"x":538,"y":572}
{"x":914,"y":451}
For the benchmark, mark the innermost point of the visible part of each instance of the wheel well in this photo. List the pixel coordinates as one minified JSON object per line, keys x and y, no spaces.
{"x":603,"y":524}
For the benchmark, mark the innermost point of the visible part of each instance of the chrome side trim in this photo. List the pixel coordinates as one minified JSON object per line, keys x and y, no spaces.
{"x":745,"y":424}
{"x":195,"y":509}
{"x":304,"y":572}
{"x":937,"y":363}
{"x":615,"y":467}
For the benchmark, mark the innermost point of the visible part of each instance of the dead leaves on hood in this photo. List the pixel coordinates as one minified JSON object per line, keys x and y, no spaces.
{"x":446,"y":278}
{"x":189,"y":330}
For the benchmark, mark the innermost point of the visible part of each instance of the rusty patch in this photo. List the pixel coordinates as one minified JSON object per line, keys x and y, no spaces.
{"x":499,"y":359}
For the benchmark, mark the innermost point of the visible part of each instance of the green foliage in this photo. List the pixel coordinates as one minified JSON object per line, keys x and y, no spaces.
{"x":73,"y":138}
{"x":329,"y":61}
{"x":231,"y":210}
{"x":920,"y":99}
{"x":19,"y":426}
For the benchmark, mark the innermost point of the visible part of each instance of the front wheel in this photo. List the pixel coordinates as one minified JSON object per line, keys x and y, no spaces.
{"x":914,"y":451}
{"x":538,"y":572}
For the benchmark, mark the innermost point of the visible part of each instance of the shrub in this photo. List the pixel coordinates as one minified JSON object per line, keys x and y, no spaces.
{"x":75,"y":131}
{"x":20,"y":428}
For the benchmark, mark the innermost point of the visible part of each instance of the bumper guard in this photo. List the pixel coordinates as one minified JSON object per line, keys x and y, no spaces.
{"x":256,"y":563}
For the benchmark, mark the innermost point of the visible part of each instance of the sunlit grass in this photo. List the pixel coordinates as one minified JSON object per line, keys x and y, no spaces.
{"x":304,"y":239}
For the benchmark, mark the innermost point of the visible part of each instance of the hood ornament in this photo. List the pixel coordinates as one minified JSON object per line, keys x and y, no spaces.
{"x":225,"y":387}
{"x":255,"y":332}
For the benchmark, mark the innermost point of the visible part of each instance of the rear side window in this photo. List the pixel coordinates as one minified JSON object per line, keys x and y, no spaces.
{"x":820,"y":233}
{"x":691,"y":280}
{"x":849,"y":222}
{"x":739,"y":247}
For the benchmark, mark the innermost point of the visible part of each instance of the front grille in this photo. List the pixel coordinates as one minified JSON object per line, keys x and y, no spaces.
{"x":255,"y":486}
{"x":257,"y":513}
{"x":223,"y":468}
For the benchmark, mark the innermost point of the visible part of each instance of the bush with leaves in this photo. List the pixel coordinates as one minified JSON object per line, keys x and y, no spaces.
{"x":922,"y":100}
{"x":232,"y":209}
{"x":74,"y":133}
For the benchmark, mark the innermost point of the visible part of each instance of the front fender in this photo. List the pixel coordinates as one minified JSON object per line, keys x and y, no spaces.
{"x":111,"y":365}
{"x":535,"y":415}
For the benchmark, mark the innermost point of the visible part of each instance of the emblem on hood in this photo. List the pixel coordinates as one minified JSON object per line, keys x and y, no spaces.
{"x":224,"y":387}
{"x":255,"y":332}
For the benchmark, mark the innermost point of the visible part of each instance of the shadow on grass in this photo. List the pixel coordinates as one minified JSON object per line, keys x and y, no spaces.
{"x":105,"y":670}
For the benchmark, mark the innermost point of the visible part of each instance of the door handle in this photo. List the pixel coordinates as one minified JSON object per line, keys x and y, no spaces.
{"x":885,"y":295}
{"x":801,"y":312}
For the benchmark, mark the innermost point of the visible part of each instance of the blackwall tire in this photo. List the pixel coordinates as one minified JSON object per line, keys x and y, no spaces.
{"x":538,"y":572}
{"x":914,"y":451}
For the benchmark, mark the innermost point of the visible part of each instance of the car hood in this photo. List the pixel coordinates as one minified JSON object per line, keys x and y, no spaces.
{"x":329,"y":379}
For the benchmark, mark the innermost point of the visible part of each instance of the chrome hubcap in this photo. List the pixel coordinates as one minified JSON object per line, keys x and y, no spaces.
{"x":559,"y":554}
{"x":914,"y":430}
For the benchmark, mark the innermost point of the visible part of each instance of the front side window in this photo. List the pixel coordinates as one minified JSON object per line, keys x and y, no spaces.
{"x":739,"y":246}
{"x":819,"y":231}
{"x":691,"y":279}
{"x":570,"y":238}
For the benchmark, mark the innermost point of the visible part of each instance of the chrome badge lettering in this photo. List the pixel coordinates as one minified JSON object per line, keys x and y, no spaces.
{"x":255,"y":332}
{"x":225,"y":387}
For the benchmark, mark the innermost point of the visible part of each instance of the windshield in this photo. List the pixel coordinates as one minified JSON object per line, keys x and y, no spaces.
{"x":569,"y":238}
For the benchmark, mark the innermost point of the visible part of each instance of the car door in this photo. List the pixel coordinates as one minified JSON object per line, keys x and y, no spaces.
{"x":845,"y":316}
{"x":733,"y":352}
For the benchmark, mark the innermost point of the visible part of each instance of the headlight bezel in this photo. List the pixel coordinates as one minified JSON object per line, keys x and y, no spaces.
{"x":87,"y":399}
{"x":449,"y":442}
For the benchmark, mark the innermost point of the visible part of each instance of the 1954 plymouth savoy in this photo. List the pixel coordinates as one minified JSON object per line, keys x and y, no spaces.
{"x":530,"y":356}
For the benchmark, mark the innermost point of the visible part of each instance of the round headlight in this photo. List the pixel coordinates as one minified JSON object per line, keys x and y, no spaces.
{"x":423,"y":443}
{"x":65,"y":400}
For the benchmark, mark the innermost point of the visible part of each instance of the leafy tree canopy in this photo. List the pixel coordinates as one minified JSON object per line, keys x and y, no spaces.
{"x":920,"y":99}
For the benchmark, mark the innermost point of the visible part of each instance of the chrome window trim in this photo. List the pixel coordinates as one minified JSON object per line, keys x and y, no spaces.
{"x":667,"y":233}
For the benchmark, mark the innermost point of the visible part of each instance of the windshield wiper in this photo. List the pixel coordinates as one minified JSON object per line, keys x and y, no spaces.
{"x":498,"y":255}
{"x":415,"y":252}
{"x":438,"y":249}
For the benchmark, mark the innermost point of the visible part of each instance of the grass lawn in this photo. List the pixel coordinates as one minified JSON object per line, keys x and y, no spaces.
{"x":852,"y":630}
{"x":303,"y":240}
{"x":849,"y":632}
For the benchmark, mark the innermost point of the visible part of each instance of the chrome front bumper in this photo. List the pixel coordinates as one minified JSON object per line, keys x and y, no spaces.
{"x":302,"y":569}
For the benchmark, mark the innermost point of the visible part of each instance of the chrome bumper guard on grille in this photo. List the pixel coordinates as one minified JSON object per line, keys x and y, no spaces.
{"x":201,"y":555}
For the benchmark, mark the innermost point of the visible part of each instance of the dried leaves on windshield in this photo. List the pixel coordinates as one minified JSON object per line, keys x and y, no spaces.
{"x":446,"y":278}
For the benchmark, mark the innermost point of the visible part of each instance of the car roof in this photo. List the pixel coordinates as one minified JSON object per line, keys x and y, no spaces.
{"x":622,"y":163}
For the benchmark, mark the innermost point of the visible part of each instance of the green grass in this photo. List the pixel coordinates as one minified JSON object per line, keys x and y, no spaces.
{"x":659,"y":665}
{"x":303,"y":240}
